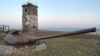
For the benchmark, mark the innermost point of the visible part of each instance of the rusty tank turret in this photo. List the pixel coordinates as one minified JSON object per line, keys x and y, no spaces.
{"x":17,"y":38}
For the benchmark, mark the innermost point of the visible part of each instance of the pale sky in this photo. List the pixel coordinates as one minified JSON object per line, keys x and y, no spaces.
{"x":53,"y":13}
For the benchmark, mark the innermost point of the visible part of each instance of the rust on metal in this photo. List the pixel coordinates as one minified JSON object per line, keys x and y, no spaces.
{"x":18,"y":38}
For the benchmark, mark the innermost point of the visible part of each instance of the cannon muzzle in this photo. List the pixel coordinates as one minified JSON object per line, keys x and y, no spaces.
{"x":67,"y":34}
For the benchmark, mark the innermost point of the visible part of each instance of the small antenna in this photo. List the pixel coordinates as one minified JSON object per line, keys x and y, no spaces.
{"x":28,"y":0}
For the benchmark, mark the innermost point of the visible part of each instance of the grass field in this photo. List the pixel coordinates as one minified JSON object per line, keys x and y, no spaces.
{"x":68,"y":47}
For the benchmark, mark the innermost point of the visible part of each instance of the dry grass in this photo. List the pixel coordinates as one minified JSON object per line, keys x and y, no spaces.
{"x":78,"y":45}
{"x":70,"y":47}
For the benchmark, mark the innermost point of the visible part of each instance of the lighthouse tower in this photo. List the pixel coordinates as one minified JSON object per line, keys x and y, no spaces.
{"x":30,"y":17}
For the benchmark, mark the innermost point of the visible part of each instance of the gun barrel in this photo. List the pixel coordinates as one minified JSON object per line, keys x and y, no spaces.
{"x":20,"y":39}
{"x":67,"y":34}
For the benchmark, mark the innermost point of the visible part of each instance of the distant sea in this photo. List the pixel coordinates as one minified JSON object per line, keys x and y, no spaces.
{"x":71,"y":29}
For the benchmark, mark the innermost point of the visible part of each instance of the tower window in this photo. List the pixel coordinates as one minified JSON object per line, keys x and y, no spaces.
{"x":33,"y":26}
{"x":25,"y":19}
{"x":25,"y":10}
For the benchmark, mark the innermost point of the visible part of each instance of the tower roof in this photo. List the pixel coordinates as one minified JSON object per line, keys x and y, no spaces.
{"x":29,"y":4}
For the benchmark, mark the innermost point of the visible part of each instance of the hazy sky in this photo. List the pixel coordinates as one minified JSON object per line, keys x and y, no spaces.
{"x":54,"y":13}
